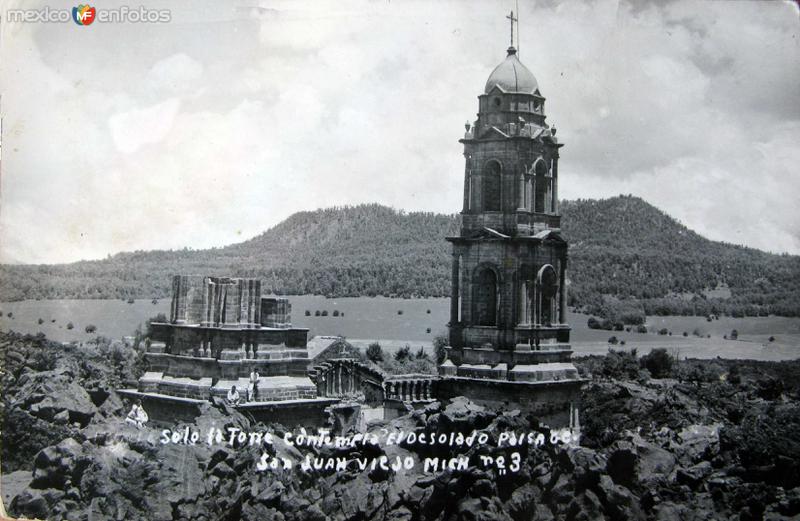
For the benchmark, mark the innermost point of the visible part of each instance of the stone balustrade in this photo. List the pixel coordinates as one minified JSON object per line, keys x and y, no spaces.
{"x":410,"y":388}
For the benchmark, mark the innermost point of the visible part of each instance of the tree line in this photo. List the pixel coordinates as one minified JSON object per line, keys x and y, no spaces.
{"x":626,"y":256}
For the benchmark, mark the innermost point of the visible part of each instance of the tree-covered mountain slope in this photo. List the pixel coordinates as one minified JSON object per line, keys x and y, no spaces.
{"x":620,"y":248}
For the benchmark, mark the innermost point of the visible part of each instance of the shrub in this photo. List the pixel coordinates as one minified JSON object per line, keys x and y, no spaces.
{"x":685,"y":333}
{"x":427,"y":330}
{"x":428,"y":312}
{"x":605,"y":324}
{"x":325,"y":313}
{"x":641,"y":328}
{"x":697,"y":333}
{"x":70,"y":325}
{"x":91,"y":328}
{"x":411,"y":365}
{"x":613,"y":340}
{"x":421,"y":354}
{"x":148,"y":324}
{"x":621,"y":364}
{"x":374,"y":352}
{"x":632,"y":318}
{"x":439,"y":343}
{"x":308,"y":313}
{"x":41,"y":321}
{"x":772,"y":339}
{"x":317,"y":313}
{"x":335,"y":312}
{"x":399,"y":311}
{"x":403,"y":354}
{"x":659,"y":362}
{"x":663,"y":331}
{"x":699,"y":372}
{"x":619,"y":326}
{"x":734,"y":375}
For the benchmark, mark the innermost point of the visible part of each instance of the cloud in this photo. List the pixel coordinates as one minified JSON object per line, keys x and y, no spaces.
{"x":138,"y":127}
{"x":210,"y":129}
{"x":178,"y":73}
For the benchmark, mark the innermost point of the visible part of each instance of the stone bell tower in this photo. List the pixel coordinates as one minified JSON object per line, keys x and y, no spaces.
{"x":508,"y":303}
{"x":509,"y":261}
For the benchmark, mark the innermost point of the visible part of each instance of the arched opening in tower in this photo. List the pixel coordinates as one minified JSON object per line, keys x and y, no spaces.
{"x":548,"y":287}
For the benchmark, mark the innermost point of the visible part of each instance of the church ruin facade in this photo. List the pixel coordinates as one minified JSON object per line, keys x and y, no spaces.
{"x":221,"y":332}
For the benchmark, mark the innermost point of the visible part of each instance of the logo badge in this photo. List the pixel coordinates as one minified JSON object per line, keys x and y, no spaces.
{"x":84,"y":14}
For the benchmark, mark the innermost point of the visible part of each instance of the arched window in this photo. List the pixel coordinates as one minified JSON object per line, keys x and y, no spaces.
{"x":491,"y":187}
{"x":547,"y":286}
{"x":486,"y":298}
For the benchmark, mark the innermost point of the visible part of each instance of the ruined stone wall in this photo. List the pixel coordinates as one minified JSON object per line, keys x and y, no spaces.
{"x":549,"y":402}
{"x":276,"y":312}
{"x":511,"y":357}
{"x":186,"y":340}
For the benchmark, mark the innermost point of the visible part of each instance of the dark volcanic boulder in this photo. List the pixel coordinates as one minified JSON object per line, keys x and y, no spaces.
{"x":636,"y":460}
{"x":622,"y":463}
{"x":32,"y":503}
{"x":585,"y":464}
{"x":58,"y":466}
{"x":618,"y":501}
{"x":462,"y":415}
{"x":13,"y":483}
{"x":694,"y":476}
{"x":24,"y":435}
{"x":50,"y":393}
{"x":697,"y":443}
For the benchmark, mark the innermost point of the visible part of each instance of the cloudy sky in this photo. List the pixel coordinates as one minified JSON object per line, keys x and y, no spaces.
{"x":213,"y":127}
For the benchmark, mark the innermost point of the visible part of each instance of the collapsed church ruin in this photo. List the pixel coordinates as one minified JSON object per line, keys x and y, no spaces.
{"x":220,"y":331}
{"x":508,"y":333}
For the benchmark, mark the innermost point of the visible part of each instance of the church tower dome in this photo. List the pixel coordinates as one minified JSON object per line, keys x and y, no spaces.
{"x":512,"y":76}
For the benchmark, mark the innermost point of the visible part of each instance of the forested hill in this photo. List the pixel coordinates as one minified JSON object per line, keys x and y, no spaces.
{"x":620,"y":247}
{"x":625,"y":247}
